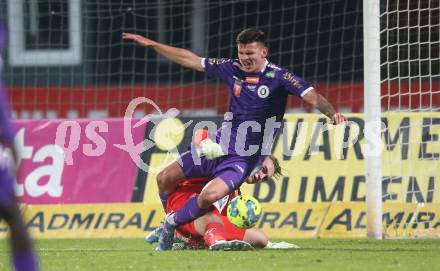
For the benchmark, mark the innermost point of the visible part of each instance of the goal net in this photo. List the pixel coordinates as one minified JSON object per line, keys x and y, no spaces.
{"x":66,"y":59}
{"x":410,"y":98}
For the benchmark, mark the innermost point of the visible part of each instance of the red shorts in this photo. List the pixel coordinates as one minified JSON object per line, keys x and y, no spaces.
{"x":178,"y":199}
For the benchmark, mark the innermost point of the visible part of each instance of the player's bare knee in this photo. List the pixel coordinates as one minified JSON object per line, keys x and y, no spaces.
{"x":261,"y":241}
{"x":211,"y":218}
{"x":214,"y":218}
{"x":207,"y":198}
{"x":256,"y":238}
{"x":169,"y":177}
{"x":162,"y":181}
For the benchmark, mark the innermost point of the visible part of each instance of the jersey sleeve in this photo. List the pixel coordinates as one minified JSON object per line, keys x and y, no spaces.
{"x":294,"y":84}
{"x":218,"y":67}
{"x":6,"y":132}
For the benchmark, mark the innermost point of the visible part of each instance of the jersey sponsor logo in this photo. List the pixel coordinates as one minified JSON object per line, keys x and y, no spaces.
{"x":296,"y":220}
{"x":291,"y":78}
{"x":263,"y":91}
{"x":251,"y":88}
{"x":252,"y":80}
{"x":270,"y":74}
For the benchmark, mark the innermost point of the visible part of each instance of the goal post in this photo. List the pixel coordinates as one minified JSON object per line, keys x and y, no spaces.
{"x":372,"y":111}
{"x":402,"y":90}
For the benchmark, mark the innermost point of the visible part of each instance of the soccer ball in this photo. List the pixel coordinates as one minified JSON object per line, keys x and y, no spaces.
{"x":244,"y":211}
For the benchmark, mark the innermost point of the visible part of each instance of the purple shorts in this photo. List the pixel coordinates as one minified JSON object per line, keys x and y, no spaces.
{"x":6,"y":185}
{"x":232,"y":169}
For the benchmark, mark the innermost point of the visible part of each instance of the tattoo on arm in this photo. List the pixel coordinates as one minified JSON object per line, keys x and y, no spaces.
{"x":325,"y":107}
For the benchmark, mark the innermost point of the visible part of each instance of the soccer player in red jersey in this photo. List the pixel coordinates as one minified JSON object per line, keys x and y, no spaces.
{"x":213,"y":230}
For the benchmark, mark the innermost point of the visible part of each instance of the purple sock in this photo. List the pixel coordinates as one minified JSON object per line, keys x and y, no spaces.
{"x":163,"y":198}
{"x":25,"y":261}
{"x":189,"y":212}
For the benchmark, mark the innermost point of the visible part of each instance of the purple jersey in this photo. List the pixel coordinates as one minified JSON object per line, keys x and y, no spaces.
{"x":6,"y":133}
{"x":254,"y":96}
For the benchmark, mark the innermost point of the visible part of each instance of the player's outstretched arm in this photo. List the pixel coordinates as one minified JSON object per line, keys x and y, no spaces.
{"x":318,"y":101}
{"x":177,"y":55}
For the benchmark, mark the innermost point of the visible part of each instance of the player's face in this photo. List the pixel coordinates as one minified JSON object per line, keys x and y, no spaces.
{"x":264,"y":173}
{"x":252,"y":56}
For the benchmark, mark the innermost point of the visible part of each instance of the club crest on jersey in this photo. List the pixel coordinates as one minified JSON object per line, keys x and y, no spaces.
{"x":237,"y":89}
{"x":270,"y":74}
{"x":263,"y":91}
{"x":252,"y":80}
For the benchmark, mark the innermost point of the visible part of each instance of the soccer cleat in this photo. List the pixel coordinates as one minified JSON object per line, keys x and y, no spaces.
{"x":234,"y":245}
{"x":181,"y":246}
{"x":239,"y":245}
{"x":219,"y":245}
{"x":166,"y":236}
{"x":153,"y":236}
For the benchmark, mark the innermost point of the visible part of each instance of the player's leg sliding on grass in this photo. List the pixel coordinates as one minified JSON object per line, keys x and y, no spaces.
{"x":258,"y":92}
{"x":213,"y":230}
{"x":216,"y":189}
{"x":23,"y":258}
{"x":195,"y":233}
{"x":231,"y":169}
{"x":188,"y":190}
{"x":202,"y":200}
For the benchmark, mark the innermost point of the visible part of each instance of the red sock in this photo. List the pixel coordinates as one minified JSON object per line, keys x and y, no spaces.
{"x":214,"y":232}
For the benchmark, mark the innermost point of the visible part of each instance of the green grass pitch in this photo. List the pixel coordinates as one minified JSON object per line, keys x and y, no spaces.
{"x":327,"y":255}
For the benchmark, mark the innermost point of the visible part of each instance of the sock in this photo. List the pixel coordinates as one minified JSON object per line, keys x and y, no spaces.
{"x":163,"y":198}
{"x":189,"y":212}
{"x":25,"y":261}
{"x":214,"y":232}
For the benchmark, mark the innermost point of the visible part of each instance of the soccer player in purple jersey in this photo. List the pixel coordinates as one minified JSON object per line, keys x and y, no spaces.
{"x":23,"y":258}
{"x":258,"y":93}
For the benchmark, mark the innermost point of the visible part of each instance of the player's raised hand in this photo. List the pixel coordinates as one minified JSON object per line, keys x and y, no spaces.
{"x":338,"y":118}
{"x":139,"y":39}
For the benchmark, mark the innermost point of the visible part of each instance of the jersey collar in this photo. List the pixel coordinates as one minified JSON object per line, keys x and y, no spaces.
{"x":265,"y":65}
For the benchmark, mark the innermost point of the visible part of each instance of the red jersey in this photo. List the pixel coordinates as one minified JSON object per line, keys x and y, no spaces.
{"x":192,"y":188}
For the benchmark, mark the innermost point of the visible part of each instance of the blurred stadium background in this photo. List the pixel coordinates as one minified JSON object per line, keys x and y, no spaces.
{"x":66,"y":64}
{"x":99,"y":74}
{"x":68,"y":59}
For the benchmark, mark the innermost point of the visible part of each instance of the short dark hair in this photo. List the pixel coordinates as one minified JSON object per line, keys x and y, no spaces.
{"x":277,"y":167}
{"x":251,"y":35}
